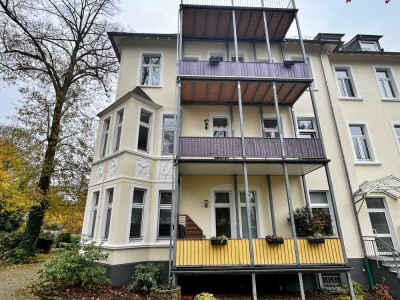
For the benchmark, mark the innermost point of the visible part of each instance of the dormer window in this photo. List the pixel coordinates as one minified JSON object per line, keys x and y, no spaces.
{"x":368,"y":46}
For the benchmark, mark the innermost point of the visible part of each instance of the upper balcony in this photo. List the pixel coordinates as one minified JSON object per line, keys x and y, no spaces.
{"x":207,"y":83}
{"x":212,"y":19}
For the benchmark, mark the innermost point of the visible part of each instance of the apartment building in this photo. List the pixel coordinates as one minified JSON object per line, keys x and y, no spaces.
{"x":225,"y":129}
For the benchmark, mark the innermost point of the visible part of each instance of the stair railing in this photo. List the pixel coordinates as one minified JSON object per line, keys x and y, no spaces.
{"x":379,"y":250}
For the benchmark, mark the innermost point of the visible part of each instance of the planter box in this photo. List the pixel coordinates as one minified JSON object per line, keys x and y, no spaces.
{"x":165,"y":293}
{"x":275,"y":242}
{"x":316,"y":241}
{"x":214,"y":60}
{"x":216,"y":242}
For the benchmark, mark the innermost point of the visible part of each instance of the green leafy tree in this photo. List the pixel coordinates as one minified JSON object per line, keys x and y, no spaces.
{"x":59,"y":53}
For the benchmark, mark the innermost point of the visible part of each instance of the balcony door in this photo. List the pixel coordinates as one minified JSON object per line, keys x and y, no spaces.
{"x":244,"y":231}
{"x":223,"y":214}
{"x":381,"y":223}
{"x":220,"y":127}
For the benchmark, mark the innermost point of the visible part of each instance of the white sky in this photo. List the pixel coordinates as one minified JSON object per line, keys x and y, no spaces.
{"x":357,"y":17}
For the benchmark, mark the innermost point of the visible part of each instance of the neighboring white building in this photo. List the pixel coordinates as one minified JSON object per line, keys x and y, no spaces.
{"x":235,"y":169}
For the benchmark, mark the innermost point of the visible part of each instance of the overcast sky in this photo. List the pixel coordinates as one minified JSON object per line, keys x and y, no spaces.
{"x":359,"y":16}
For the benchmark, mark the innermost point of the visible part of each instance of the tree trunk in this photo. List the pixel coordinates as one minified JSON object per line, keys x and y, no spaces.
{"x":37,"y":212}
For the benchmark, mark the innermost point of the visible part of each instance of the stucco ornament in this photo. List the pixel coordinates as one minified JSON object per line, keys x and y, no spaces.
{"x":113,"y":168}
{"x":166,"y":171}
{"x":142,"y":168}
{"x":100,"y":173}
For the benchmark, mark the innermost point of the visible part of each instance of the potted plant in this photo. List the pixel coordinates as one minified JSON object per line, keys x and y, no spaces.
{"x":317,"y":238}
{"x":274,"y":240}
{"x":221,"y":240}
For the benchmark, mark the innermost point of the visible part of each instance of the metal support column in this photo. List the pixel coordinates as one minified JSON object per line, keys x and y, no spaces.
{"x":302,"y":294}
{"x":271,"y":205}
{"x":267,"y":37}
{"x":235,"y":189}
{"x":303,"y":50}
{"x":254,"y":286}
{"x":350,"y":284}
{"x":305,"y":190}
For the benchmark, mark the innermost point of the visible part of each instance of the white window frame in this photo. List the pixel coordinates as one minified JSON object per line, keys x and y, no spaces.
{"x":107,"y":206}
{"x":325,"y":205}
{"x":144,"y":207}
{"x":274,"y":132}
{"x":219,"y":116}
{"x":226,"y":188}
{"x":105,"y":137}
{"x":373,"y":160}
{"x":313,"y":85}
{"x":392,"y":81}
{"x":232,"y":55}
{"x":167,"y":129}
{"x":161,"y":66}
{"x":93,"y":219}
{"x":255,"y":205}
{"x":270,"y":116}
{"x":150,"y":132}
{"x":393,"y":125}
{"x":353,"y":81}
{"x":307,"y":131}
{"x":118,"y":128}
{"x":370,"y":43}
{"x":160,"y":207}
{"x":321,"y":279}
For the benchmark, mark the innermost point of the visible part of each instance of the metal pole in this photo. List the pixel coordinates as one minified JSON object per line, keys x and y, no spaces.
{"x":267,"y":37}
{"x":350,"y":284}
{"x":302,"y":294}
{"x":254,"y":286}
{"x":261,"y":121}
{"x":278,"y":117}
{"x":235,"y":187}
{"x":317,"y":123}
{"x":271,"y":205}
{"x":335,"y":211}
{"x":246,"y":183}
{"x":181,"y":34}
{"x":306,"y":195}
{"x":299,"y":32}
{"x":231,"y":116}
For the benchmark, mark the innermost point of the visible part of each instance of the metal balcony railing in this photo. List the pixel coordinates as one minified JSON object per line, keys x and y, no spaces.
{"x":245,"y":69}
{"x":286,"y":4}
{"x":211,"y":147}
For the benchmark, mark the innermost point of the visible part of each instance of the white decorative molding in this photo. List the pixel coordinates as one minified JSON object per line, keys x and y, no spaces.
{"x":113,"y":168}
{"x":142,"y":168}
{"x":166,"y":170}
{"x":100,"y":173}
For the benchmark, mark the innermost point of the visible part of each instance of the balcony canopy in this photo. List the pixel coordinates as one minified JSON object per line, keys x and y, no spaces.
{"x":215,"y":22}
{"x":389,"y":185}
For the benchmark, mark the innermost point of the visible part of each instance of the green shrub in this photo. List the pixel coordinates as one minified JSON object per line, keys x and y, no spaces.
{"x":358,"y":292}
{"x":63,"y":238}
{"x":145,"y":277}
{"x":73,"y":266}
{"x":312,"y":223}
{"x":9,"y":241}
{"x":334,"y":290}
{"x":15,"y":256}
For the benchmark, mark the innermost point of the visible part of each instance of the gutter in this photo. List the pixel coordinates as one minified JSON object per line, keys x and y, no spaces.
{"x":342,"y":154}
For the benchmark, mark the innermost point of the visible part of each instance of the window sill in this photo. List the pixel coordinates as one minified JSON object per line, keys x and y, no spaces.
{"x":390,"y":99}
{"x":351,"y":99}
{"x":150,"y":86}
{"x":367,"y":163}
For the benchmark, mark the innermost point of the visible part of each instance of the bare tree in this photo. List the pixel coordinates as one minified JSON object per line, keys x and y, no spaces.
{"x":58,"y":49}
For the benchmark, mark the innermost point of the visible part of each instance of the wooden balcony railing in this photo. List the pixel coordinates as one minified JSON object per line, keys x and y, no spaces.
{"x":200,"y":253}
{"x":260,"y":70}
{"x":242,"y":3}
{"x":210,"y":147}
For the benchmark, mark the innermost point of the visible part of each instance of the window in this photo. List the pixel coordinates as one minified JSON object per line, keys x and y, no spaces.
{"x":95,"y":209}
{"x":104,"y":137}
{"x":386,"y":83}
{"x":306,"y":128}
{"x":144,"y":130}
{"x":360,"y":142}
{"x":150,"y":70}
{"x":108,"y":210}
{"x":369,"y":46}
{"x":270,"y":128}
{"x":118,"y":129}
{"x":240,"y":56}
{"x":164,"y":214}
{"x":396,"y":131}
{"x":223,"y":214}
{"x":253,"y":214}
{"x":330,"y":280}
{"x":319,"y":202}
{"x":168,"y":135}
{"x":345,"y":81}
{"x":137,"y":213}
{"x":220,"y":127}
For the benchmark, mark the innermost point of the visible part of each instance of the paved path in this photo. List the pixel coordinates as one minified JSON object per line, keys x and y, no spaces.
{"x":15,"y":279}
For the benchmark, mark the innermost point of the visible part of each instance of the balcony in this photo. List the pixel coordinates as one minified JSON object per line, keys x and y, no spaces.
{"x":200,"y":253}
{"x":205,"y":83}
{"x":212,"y":19}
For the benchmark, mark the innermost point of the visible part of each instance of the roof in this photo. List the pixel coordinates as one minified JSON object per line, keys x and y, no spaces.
{"x":389,"y":185}
{"x":137,"y":93}
{"x":117,"y":38}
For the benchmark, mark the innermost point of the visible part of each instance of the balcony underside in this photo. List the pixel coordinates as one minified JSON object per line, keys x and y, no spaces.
{"x":215,"y":23}
{"x":254,"y":167}
{"x":199,"y":253}
{"x":223,"y":91}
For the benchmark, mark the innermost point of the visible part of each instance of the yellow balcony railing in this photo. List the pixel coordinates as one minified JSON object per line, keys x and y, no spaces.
{"x":200,"y":252}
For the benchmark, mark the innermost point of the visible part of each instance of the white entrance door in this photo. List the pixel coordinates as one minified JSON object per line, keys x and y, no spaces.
{"x":380,"y":222}
{"x":223,"y":214}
